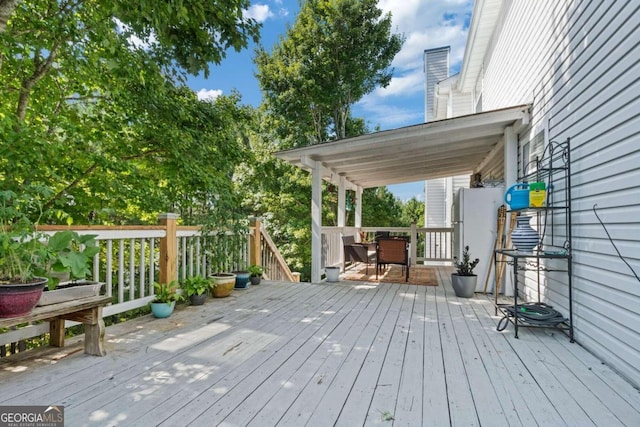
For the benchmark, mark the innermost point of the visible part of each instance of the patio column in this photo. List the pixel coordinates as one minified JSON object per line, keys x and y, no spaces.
{"x":358,"y":211}
{"x":316,"y":219}
{"x":510,"y":177}
{"x":341,"y":202}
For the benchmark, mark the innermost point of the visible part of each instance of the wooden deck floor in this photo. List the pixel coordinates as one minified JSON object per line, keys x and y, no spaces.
{"x":344,"y":354}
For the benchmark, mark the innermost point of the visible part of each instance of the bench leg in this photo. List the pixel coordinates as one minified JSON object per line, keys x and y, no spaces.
{"x":94,"y":336}
{"x":94,"y":339}
{"x":56,"y":332}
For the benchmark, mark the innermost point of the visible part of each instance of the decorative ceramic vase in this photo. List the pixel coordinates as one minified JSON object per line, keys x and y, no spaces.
{"x":524,"y":237}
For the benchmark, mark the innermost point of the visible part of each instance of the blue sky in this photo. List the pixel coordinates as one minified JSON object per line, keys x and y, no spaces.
{"x":426,"y":24}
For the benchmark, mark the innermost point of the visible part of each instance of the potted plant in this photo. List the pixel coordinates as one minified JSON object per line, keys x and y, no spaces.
{"x":242,"y":278}
{"x":255,"y":274}
{"x":28,"y":257}
{"x":224,"y":249}
{"x":165,"y":297}
{"x":333,"y":273}
{"x":463,"y":280}
{"x":222,"y":285}
{"x":72,"y":254}
{"x":196,"y":288}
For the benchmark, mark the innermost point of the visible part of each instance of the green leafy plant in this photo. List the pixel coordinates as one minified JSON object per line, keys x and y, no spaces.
{"x":27,"y":254}
{"x":256,"y":270}
{"x":166,"y":292}
{"x":465,"y":266}
{"x":72,"y":253}
{"x":195,"y":285}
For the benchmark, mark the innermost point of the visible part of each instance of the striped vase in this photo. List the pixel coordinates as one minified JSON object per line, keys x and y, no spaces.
{"x":524,"y":237}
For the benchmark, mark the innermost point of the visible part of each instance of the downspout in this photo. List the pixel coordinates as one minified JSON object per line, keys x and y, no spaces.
{"x":510,"y":177}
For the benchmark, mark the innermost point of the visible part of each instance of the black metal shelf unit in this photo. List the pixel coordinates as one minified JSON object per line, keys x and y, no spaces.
{"x":553,"y":223}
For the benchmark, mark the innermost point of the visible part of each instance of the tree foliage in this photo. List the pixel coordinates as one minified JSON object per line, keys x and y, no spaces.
{"x":413,"y":212}
{"x":93,"y":106}
{"x":336,"y":52}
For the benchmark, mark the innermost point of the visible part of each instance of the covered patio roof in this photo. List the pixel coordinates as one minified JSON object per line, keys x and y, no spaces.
{"x":436,"y":149}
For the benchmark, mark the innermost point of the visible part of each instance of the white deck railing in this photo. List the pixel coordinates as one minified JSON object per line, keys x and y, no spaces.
{"x":129,"y":262}
{"x":427,"y":245}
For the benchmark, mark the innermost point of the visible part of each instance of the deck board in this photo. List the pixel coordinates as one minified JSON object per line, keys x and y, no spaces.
{"x":340,"y":354}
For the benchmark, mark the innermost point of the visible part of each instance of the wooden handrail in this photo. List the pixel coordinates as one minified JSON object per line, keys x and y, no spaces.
{"x":282,"y":265}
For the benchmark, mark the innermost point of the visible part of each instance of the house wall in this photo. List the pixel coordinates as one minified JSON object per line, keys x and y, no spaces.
{"x":436,"y":68}
{"x":578,"y":63}
{"x":461,"y":104}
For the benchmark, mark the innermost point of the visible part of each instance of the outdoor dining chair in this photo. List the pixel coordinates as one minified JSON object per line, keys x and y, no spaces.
{"x":357,"y":252}
{"x":392,"y":251}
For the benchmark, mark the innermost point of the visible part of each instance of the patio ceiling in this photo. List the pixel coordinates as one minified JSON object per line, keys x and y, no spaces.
{"x":436,"y":149}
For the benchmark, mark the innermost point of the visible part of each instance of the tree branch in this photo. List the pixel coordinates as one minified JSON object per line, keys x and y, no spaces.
{"x":41,"y":68}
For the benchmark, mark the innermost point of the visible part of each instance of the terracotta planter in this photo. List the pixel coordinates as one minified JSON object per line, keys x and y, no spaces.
{"x":464,"y":286}
{"x":225,"y":282}
{"x":20,"y":298}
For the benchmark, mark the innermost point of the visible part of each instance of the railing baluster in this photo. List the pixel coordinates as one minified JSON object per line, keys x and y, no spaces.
{"x":121,"y":268}
{"x":152,"y":263}
{"x":132,"y":267}
{"x":143,"y":266}
{"x":109,"y":268}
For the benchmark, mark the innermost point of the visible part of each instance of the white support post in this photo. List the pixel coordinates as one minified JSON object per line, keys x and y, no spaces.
{"x":413,"y":256}
{"x":358,"y":215}
{"x":510,"y":177}
{"x":342,"y":213}
{"x":342,"y":207}
{"x":316,"y":221}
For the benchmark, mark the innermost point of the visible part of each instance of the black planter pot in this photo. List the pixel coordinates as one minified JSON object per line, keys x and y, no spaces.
{"x":255,"y":280}
{"x":198,"y":299}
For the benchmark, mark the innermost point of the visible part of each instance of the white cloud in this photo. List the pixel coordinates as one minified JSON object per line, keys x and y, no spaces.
{"x":134,"y":41}
{"x":259,"y":12}
{"x":425,"y":25}
{"x":390,"y":115}
{"x":401,"y":85}
{"x":208,"y":94}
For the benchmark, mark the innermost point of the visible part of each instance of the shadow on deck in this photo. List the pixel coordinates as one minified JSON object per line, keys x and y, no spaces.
{"x":348,"y":353}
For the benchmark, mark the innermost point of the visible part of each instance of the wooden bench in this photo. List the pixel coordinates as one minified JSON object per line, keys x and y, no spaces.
{"x":85,"y":310}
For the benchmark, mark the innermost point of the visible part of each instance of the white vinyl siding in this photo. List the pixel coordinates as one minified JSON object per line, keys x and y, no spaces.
{"x":435,"y":207}
{"x":462,"y":104}
{"x":436,"y":68}
{"x":579,"y":63}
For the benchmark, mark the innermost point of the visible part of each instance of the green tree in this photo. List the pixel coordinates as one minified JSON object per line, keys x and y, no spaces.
{"x":380,"y":208}
{"x":336,"y":52}
{"x":413,"y":212}
{"x":93,"y":106}
{"x":191,"y":33}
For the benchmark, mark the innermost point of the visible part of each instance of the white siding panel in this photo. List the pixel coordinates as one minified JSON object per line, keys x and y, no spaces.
{"x":579,"y":62}
{"x":462,"y":104}
{"x":435,"y":207}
